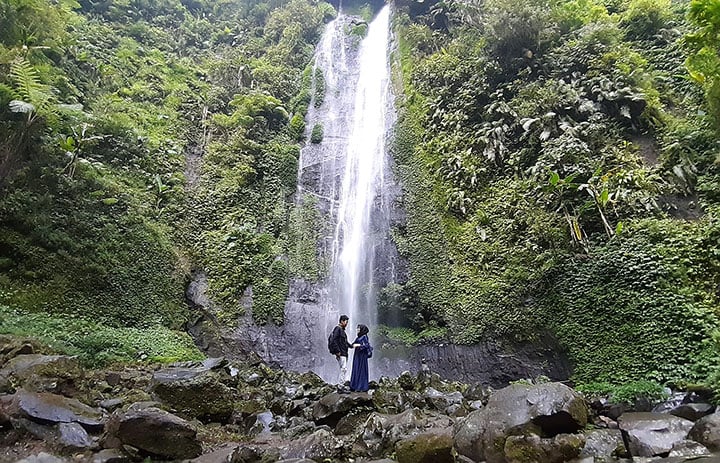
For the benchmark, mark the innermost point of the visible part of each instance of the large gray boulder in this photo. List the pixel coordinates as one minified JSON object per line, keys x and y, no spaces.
{"x":545,"y":409}
{"x":53,"y":408}
{"x":693,"y":411}
{"x":707,"y":431}
{"x":653,"y":434}
{"x":195,"y":392}
{"x":155,"y":432}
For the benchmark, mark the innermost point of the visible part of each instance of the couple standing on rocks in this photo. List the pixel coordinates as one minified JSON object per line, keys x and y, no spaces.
{"x":339,"y":345}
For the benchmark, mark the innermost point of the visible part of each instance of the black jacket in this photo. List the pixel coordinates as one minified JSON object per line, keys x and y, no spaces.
{"x":340,"y":342}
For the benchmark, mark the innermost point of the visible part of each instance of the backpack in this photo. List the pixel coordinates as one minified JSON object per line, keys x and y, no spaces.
{"x":331,"y":343}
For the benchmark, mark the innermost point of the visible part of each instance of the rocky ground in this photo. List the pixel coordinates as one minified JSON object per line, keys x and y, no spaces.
{"x":53,"y":410}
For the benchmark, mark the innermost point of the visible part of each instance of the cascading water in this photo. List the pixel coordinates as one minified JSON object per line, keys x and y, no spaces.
{"x":348,"y":172}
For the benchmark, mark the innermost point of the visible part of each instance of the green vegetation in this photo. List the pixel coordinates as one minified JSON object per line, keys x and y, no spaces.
{"x":628,"y":393}
{"x":561,"y":177}
{"x":559,"y":159}
{"x":316,"y":135}
{"x":140,"y":140}
{"x":97,"y":344}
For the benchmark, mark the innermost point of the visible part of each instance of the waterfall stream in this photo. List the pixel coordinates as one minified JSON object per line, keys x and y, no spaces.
{"x":348,"y":172}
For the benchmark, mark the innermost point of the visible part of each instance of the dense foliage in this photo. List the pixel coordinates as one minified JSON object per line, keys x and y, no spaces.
{"x":559,"y":160}
{"x":140,"y":140}
{"x":561,"y":174}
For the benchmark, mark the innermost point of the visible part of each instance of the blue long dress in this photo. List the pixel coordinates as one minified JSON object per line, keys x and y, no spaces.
{"x":359,"y":376}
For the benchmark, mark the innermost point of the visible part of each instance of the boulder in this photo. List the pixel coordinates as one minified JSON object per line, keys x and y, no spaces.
{"x":396,"y":401}
{"x":196,"y":393}
{"x":354,"y":420}
{"x":432,"y":447}
{"x":332,"y":407}
{"x":382,"y":431}
{"x":535,"y":449}
{"x":688,"y":448}
{"x":441,"y":401}
{"x":55,"y":408}
{"x":154,"y":432}
{"x":707,"y":431}
{"x":546,"y":409}
{"x":653,"y":434}
{"x":73,"y":437}
{"x":318,"y":446}
{"x":41,"y":373}
{"x":693,"y":412}
{"x":603,"y":444}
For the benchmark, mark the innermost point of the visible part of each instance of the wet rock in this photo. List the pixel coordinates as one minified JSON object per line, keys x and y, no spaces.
{"x":110,"y":456}
{"x":476,"y":405}
{"x":707,"y":431}
{"x":297,"y":460}
{"x":332,"y":407}
{"x":223,"y":454}
{"x":39,"y":431}
{"x":382,"y":432}
{"x":351,"y":422}
{"x":548,"y":409}
{"x":434,"y":447}
{"x":693,"y":412}
{"x":688,"y":448}
{"x":42,"y":457}
{"x":441,"y":401}
{"x":196,"y":393}
{"x":72,"y":437}
{"x":154,"y":432}
{"x":41,"y":373}
{"x":56,"y":409}
{"x":318,"y":446}
{"x":397,"y":401}
{"x":112,"y":404}
{"x":11,"y":346}
{"x":535,"y":449}
{"x":653,"y":434}
{"x":603,"y":443}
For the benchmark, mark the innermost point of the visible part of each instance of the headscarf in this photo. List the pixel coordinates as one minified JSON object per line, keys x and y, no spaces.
{"x":363,"y":330}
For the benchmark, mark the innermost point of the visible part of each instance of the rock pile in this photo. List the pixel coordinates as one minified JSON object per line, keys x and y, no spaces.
{"x":53,"y":410}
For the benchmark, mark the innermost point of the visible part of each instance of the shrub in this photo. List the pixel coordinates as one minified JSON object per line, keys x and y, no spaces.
{"x":316,"y":136}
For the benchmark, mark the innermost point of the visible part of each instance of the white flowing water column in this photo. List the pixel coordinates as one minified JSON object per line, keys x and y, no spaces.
{"x":363,"y":175}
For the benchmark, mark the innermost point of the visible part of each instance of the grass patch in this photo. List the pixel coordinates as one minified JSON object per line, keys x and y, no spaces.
{"x":96,"y":344}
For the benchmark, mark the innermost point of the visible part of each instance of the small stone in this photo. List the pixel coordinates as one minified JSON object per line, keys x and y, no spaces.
{"x":110,"y":456}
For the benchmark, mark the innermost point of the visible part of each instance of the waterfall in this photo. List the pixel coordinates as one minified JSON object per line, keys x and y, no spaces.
{"x":348,"y":172}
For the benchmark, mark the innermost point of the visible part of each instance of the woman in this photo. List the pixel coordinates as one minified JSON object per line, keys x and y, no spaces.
{"x":359,"y":375}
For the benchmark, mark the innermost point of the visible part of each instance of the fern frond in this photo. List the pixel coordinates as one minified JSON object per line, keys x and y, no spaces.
{"x":26,"y":79}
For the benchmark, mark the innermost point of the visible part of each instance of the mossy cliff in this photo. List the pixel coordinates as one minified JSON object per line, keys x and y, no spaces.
{"x":560,"y":178}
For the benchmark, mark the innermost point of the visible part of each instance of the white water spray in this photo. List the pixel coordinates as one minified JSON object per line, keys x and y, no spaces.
{"x":348,"y":170}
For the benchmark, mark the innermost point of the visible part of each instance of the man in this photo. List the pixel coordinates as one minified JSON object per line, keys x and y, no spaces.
{"x":340,"y":347}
